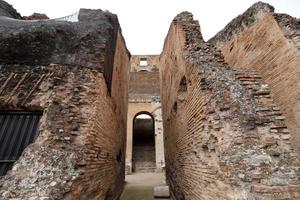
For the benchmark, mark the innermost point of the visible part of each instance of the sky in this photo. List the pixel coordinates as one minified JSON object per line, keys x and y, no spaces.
{"x":145,"y":23}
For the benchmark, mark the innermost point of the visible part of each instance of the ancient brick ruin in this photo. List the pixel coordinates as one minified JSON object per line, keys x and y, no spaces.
{"x":144,"y":99}
{"x":225,"y":137}
{"x":80,"y":73}
{"x":268,"y":43}
{"x":77,"y":111}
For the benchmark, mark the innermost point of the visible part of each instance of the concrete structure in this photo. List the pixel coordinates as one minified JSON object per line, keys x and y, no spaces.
{"x":144,"y":98}
{"x":161,"y":191}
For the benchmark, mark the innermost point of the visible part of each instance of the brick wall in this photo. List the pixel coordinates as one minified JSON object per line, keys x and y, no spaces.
{"x":143,"y":85}
{"x":153,"y":108}
{"x":106,"y":141}
{"x":224,"y":136}
{"x":151,"y":63}
{"x":80,"y":150}
{"x":270,"y":45}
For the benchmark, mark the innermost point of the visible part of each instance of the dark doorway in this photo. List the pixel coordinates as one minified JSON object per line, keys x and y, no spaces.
{"x":17,"y":131}
{"x":143,"y":143}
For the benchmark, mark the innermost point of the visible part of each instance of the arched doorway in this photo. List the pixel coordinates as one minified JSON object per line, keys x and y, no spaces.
{"x":143,"y":158}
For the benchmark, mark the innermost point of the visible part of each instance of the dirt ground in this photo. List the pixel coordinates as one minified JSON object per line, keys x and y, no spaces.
{"x":139,"y":186}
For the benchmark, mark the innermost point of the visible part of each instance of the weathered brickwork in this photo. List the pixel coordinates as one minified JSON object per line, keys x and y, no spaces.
{"x":144,"y":97}
{"x":76,"y":141}
{"x":219,"y":130}
{"x":80,"y":150}
{"x":268,"y":42}
{"x":88,"y":41}
{"x":144,"y":85}
{"x":225,"y":138}
{"x":154,"y":109}
{"x":144,"y":63}
{"x":36,"y":16}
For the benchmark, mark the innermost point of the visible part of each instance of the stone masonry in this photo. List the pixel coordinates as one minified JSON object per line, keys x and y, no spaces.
{"x":221,"y":132}
{"x":144,"y":97}
{"x":268,"y":43}
{"x":82,"y":92}
{"x":225,"y":138}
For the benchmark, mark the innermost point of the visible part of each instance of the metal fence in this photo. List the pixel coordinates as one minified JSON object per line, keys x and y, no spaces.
{"x":17,"y":131}
{"x":70,"y":18}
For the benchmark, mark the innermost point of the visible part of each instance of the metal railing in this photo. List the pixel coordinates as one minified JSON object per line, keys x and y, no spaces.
{"x":7,"y":161}
{"x":70,"y":18}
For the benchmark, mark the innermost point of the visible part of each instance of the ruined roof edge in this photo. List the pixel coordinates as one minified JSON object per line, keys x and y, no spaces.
{"x":242,"y":21}
{"x":211,"y":61}
{"x":8,"y":10}
{"x":187,"y":19}
{"x":289,"y":25}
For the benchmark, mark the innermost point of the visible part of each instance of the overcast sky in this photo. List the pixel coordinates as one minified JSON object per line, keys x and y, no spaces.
{"x":146,"y":23}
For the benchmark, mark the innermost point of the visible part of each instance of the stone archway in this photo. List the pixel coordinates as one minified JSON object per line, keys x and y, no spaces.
{"x":143,"y":158}
{"x":153,"y":109}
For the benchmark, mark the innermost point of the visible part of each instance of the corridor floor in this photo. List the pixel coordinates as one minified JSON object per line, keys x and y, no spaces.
{"x":139,"y":186}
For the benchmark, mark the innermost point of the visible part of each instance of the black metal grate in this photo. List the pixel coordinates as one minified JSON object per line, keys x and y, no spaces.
{"x":17,"y":131}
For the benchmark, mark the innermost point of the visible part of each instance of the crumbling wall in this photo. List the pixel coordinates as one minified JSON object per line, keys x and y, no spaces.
{"x":88,"y":42}
{"x":225,"y":138}
{"x":8,"y":11}
{"x":80,"y":150}
{"x":36,"y":16}
{"x":268,"y":42}
{"x":106,"y":141}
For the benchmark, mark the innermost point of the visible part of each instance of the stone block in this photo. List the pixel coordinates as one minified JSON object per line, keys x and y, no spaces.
{"x":161,"y":191}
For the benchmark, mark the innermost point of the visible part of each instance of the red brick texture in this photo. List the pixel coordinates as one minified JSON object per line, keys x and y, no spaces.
{"x":268,"y":44}
{"x":80,"y":150}
{"x":225,"y":138}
